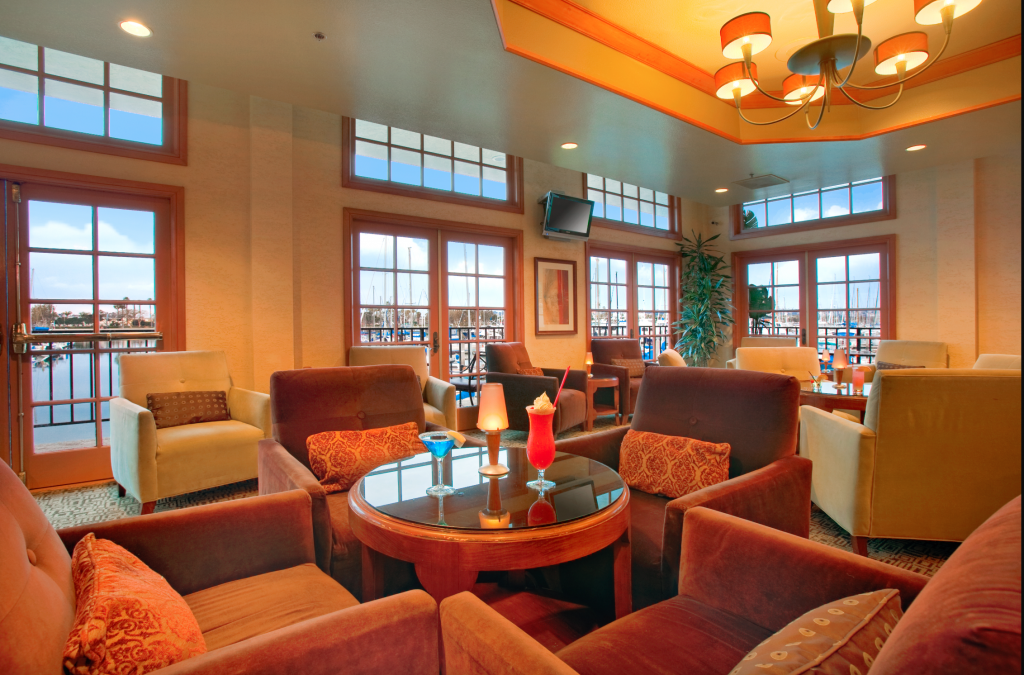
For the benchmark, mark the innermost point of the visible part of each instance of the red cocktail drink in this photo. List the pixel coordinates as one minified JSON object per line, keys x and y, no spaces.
{"x":540,"y":445}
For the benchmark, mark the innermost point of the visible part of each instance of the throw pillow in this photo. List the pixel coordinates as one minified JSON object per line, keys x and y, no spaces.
{"x":128,"y":619}
{"x":635,"y":366}
{"x":340,"y":458}
{"x":176,"y":408}
{"x":530,"y":371}
{"x":885,"y":365}
{"x":671,"y":465}
{"x":840,"y":638}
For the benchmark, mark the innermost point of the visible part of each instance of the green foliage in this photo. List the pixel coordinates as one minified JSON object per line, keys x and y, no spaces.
{"x":749,"y":220}
{"x":705,"y":311}
{"x":761,"y":304}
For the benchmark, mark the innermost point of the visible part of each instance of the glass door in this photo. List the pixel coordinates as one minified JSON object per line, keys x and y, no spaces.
{"x":653,"y":301}
{"x":774,"y":298}
{"x":610,"y":306}
{"x":849,"y":297}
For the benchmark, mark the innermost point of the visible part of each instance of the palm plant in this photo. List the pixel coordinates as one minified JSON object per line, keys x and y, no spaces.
{"x":705,"y":310}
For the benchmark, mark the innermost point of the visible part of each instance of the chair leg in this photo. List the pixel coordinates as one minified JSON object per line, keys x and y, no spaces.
{"x":121,"y":492}
{"x":860,"y":545}
{"x":148,"y":507}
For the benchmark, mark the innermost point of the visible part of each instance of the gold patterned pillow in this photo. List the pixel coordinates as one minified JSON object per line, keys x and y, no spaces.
{"x":128,"y":619}
{"x":340,"y":458}
{"x":635,"y":366}
{"x":176,"y":408}
{"x":840,"y":638}
{"x":671,"y":465}
{"x":530,"y":371}
{"x":885,"y":365}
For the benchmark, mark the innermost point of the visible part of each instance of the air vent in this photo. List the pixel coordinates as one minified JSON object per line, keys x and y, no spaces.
{"x":758,"y":182}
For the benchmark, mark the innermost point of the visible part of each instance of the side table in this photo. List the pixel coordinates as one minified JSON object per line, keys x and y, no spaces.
{"x":593,"y":410}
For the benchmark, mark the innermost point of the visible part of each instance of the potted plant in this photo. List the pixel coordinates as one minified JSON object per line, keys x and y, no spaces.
{"x":705,"y":310}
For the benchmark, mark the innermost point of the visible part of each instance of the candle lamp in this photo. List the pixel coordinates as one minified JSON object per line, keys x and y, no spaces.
{"x":588,"y":362}
{"x":825,"y":358}
{"x":494,"y":517}
{"x":839,"y":365}
{"x":492,"y":417}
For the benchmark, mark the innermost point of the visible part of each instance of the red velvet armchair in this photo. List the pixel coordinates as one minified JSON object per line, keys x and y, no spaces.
{"x":757,"y":414}
{"x":246,"y":569}
{"x":506,"y":359}
{"x":606,"y":349}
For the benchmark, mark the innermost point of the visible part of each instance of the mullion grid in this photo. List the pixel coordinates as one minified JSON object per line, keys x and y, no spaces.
{"x":621,"y":195}
{"x":832,"y":344}
{"x":820,"y":192}
{"x":655,"y":331}
{"x":479,"y":368}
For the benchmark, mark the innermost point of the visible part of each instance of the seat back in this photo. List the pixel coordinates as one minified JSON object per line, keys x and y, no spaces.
{"x":800,"y":362}
{"x":967,"y":619}
{"x":671,"y":358}
{"x":947,"y":453}
{"x":408,"y":355}
{"x":507,"y":357}
{"x":769,"y":341}
{"x":998,"y":362}
{"x":37,"y":595}
{"x":311,"y":400}
{"x":756,"y":413}
{"x":164,"y":372}
{"x":913,"y":353}
{"x":606,"y":349}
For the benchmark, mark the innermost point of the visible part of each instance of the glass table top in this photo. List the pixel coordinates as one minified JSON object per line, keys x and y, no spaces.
{"x":832,"y":389}
{"x":583,"y":487}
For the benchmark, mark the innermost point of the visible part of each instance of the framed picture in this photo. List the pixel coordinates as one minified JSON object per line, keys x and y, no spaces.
{"x":556,"y":296}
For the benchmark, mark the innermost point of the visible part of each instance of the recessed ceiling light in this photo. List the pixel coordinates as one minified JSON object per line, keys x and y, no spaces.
{"x":722,"y":190}
{"x":570,"y":146}
{"x":915,"y":148}
{"x":135,"y":28}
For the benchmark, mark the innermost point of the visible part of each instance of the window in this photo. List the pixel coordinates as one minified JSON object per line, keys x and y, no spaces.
{"x":389,"y":159}
{"x":846,"y":204}
{"x":50,"y":96}
{"x":630,"y":207}
{"x":774,"y":297}
{"x":848,"y":303}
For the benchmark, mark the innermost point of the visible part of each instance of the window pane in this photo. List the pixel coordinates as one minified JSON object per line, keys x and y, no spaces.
{"x":759,"y":210}
{"x":661,"y":220}
{"x":865,"y":296}
{"x":864,"y":267}
{"x":413,"y":289}
{"x":413,"y":254}
{"x":646,"y":195}
{"x":437,"y":172}
{"x":495,"y":158}
{"x":470,"y":152}
{"x":139,"y":81}
{"x":647,"y":214}
{"x":19,"y":54}
{"x":371,"y":160}
{"x":759,"y":274}
{"x":595,"y":182}
{"x":127,"y":278}
{"x":127,"y":316}
{"x":599,"y":269}
{"x":56,"y":317}
{"x":376,"y":288}
{"x":661,"y":299}
{"x":832,"y":296}
{"x":867,"y":197}
{"x":126,"y":231}
{"x":405,"y":166}
{"x":19,"y":97}
{"x":408,"y":139}
{"x":618,"y":297}
{"x":492,"y":292}
{"x":787,"y":297}
{"x":461,"y":291}
{"x":68,"y":435}
{"x":73,"y":66}
{"x":618,"y":271}
{"x":661,"y":198}
{"x":492,"y":260}
{"x":832,"y":269}
{"x":53,"y":225}
{"x":440,"y":146}
{"x":467,"y":177}
{"x":613,"y":207}
{"x":613,"y":186}
{"x":376,"y":324}
{"x":629,"y":190}
{"x":599,"y":296}
{"x":494,"y":183}
{"x":598,"y":199}
{"x":60,"y":276}
{"x":630,"y":211}
{"x":376,"y":250}
{"x":645,"y":299}
{"x":805,"y":207}
{"x":835,"y":203}
{"x":644,"y":274}
{"x":787,"y":272}
{"x":75,"y":108}
{"x":136,"y":119}
{"x":461,"y":257}
{"x":372,"y":131}
{"x":780,"y":212}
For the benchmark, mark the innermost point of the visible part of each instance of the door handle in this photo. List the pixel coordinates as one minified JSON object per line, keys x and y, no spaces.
{"x":803,"y":336}
{"x":437,"y":343}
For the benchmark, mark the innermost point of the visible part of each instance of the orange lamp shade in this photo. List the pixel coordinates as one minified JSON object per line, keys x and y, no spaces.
{"x":754,"y":29}
{"x":911,"y":48}
{"x":844,"y":6}
{"x":589,"y":359}
{"x":492,"y":415}
{"x":795,"y":89}
{"x":825,"y":355}
{"x":839,"y":360}
{"x":929,"y":12}
{"x":732,"y":76}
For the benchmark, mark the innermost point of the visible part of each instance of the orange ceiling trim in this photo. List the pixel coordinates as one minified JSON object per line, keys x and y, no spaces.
{"x":596,"y":27}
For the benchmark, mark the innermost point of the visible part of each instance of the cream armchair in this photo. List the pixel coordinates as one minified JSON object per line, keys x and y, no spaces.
{"x":150,"y":463}
{"x":938,"y":453}
{"x":438,"y":396}
{"x":998,"y":361}
{"x":764,"y":341}
{"x":799,"y":362}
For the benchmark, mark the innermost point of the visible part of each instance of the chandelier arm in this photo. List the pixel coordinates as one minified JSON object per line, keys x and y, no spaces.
{"x":873,"y":107}
{"x":746,"y":71}
{"x":821,"y":111}
{"x":764,"y":124}
{"x":945,"y":43}
{"x":856,"y":56}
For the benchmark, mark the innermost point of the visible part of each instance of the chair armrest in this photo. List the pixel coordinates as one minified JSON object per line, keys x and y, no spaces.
{"x":731,"y":363}
{"x":250,"y":407}
{"x":601,"y":447}
{"x":520,"y":391}
{"x":280,"y":471}
{"x":576,"y":379}
{"x":843,"y":453}
{"x":777,"y":496}
{"x":133,"y":448}
{"x":770,"y":577}
{"x":397,"y":634}
{"x":479,"y":641}
{"x":205,"y":546}
{"x":441,"y":395}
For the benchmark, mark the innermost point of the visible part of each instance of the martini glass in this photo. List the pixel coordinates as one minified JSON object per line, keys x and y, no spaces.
{"x":439,"y":443}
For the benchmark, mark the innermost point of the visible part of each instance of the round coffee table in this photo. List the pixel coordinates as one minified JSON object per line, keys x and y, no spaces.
{"x":450,"y":540}
{"x":835,"y":397}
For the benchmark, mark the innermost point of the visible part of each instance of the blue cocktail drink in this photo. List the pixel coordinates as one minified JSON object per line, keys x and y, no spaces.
{"x":439,"y":443}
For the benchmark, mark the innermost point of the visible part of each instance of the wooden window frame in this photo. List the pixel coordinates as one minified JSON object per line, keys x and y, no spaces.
{"x":513,"y":204}
{"x":175,"y":120}
{"x":674,"y":231}
{"x":888,"y":212}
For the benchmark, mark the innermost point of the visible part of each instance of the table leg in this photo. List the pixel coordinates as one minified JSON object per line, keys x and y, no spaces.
{"x":443,"y":581}
{"x":623,"y":572}
{"x":618,"y":412}
{"x":373,"y":574}
{"x":588,"y":425}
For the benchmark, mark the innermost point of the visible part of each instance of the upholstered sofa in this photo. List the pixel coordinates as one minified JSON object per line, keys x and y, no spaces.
{"x":438,"y":396}
{"x":741,"y":582}
{"x":937,"y":454}
{"x":604,"y":351}
{"x":800,"y":362}
{"x":757,"y":414}
{"x":150,"y":463}
{"x":763,"y":341}
{"x":246,"y":569}
{"x":998,"y":362}
{"x":506,"y":359}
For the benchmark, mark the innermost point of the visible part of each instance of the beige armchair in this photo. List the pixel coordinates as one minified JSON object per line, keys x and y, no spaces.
{"x":438,"y":396}
{"x":150,"y":463}
{"x":938,"y":453}
{"x":906,"y":353}
{"x":799,"y":362}
{"x":998,"y":362}
{"x":764,"y":341}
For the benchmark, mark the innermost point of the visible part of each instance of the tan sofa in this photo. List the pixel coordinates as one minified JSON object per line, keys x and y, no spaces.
{"x":150,"y":463}
{"x":938,"y":453}
{"x":764,"y":341}
{"x":998,"y":362}
{"x":438,"y":396}
{"x":799,"y":362}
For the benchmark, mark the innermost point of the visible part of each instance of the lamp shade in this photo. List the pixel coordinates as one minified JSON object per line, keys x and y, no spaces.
{"x":911,"y":48}
{"x":839,"y":359}
{"x":796,"y":87}
{"x":588,"y":360}
{"x":929,"y":12}
{"x":492,"y":415}
{"x":825,"y":356}
{"x":754,"y":28}
{"x":733,"y":76}
{"x":844,"y":6}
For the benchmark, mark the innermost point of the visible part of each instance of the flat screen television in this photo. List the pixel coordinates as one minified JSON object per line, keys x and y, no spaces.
{"x":567,"y":218}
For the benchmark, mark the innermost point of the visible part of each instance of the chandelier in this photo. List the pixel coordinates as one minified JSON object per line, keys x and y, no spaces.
{"x":817,"y":67}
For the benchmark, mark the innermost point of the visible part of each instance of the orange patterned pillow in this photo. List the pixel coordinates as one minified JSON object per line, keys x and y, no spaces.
{"x":635,"y":366}
{"x":128,"y":619}
{"x":177,"y":408}
{"x":530,"y":371}
{"x":340,"y":458}
{"x":671,"y":465}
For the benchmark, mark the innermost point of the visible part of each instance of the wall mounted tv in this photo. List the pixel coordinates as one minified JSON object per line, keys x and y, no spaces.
{"x":566,"y":218}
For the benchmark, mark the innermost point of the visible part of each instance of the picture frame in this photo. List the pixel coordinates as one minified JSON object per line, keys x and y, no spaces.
{"x":555,"y":297}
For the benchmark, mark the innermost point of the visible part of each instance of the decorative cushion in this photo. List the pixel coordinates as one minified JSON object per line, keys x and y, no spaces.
{"x":636,"y":366}
{"x":128,"y":619}
{"x":340,"y":458}
{"x":671,"y":465}
{"x":840,"y":638}
{"x":885,"y":365}
{"x":530,"y":371}
{"x":176,"y":408}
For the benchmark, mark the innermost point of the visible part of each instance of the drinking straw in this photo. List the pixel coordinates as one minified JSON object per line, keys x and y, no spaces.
{"x":560,"y":388}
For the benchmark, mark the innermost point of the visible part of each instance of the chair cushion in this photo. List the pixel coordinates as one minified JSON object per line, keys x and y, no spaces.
{"x":679,"y":635}
{"x":245,"y":608}
{"x":127,"y":616}
{"x":672,"y":466}
{"x":197,"y":456}
{"x":433,"y":415}
{"x":635,"y":366}
{"x":175,"y":408}
{"x":843,"y":637}
{"x":340,"y":458}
